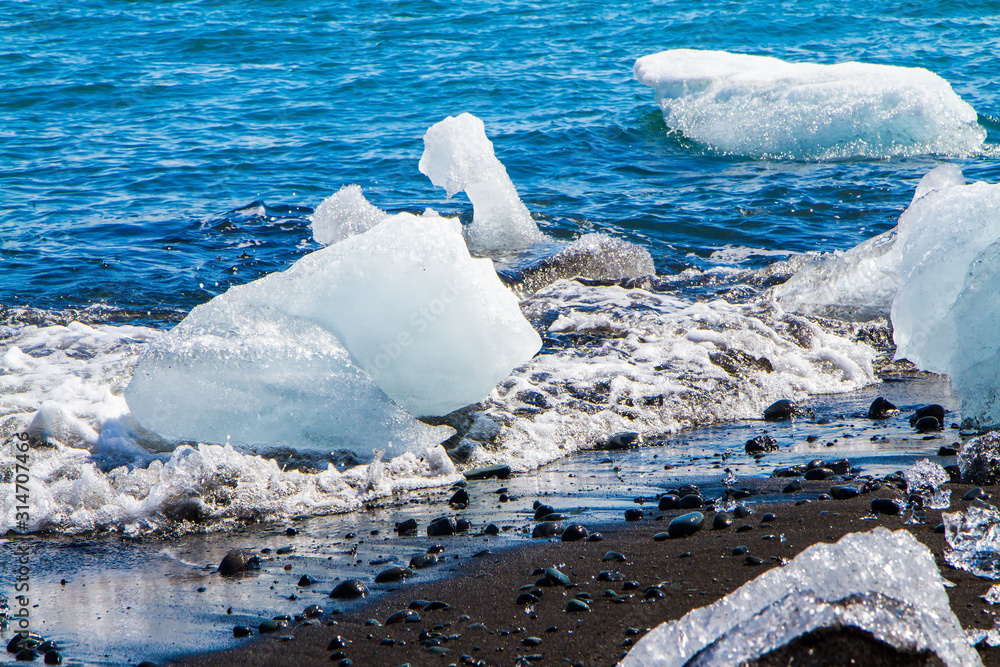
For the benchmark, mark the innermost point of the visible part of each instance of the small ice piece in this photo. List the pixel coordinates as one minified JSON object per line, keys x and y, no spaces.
{"x":881,"y":582}
{"x":979,"y":460}
{"x":302,"y":357}
{"x":973,"y":538}
{"x":993,"y":595}
{"x":344,"y":213}
{"x":458,"y":156}
{"x":926,"y":478}
{"x":764,"y":107}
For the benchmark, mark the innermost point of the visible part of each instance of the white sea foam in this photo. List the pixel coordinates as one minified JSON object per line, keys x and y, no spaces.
{"x":765,"y":107}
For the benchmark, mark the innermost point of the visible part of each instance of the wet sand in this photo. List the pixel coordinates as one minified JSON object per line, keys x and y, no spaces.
{"x":483,"y":622}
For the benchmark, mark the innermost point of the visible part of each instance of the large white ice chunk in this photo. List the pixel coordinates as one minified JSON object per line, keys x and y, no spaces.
{"x":765,"y":107}
{"x":458,"y":156}
{"x":861,"y":283}
{"x":279,"y":360}
{"x":344,"y":213}
{"x":973,"y":538}
{"x":885,"y":583}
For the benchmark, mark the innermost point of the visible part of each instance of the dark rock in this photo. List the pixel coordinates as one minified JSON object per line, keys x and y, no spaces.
{"x":491,"y":529}
{"x":927,"y":424}
{"x":574,"y":532}
{"x":947,"y":451}
{"x":843,"y":492}
{"x":979,"y":460}
{"x":556,"y":577}
{"x":437,"y":605}
{"x":26,"y":655}
{"x":623,"y":440}
{"x":744,"y":528}
{"x":338,"y":642}
{"x":242,"y":631}
{"x":312,"y":611}
{"x":393,"y":574}
{"x":939,"y":529}
{"x":577,"y":606}
{"x":526,"y":598}
{"x":742,"y":512}
{"x":460,"y":497}
{"x":840,"y":466}
{"x":741,"y":494}
{"x":610,"y":575}
{"x":634,"y":514}
{"x":408,"y":527}
{"x":421,"y":561}
{"x":753,"y":560}
{"x":349,"y":589}
{"x":782,"y":410}
{"x":881,"y":409}
{"x":403,"y":616}
{"x":442,"y":526}
{"x":819,"y":474}
{"x":954,"y":474}
{"x":975,"y":493}
{"x":307,"y":580}
{"x":595,"y":537}
{"x":792,"y":487}
{"x":769,"y":517}
{"x":462,"y":525}
{"x":740,"y":551}
{"x":238,"y":560}
{"x":691,"y":502}
{"x":417,"y":605}
{"x":660,"y":537}
{"x":546,"y":530}
{"x":792,"y":471}
{"x":555,"y":516}
{"x":614,"y":556}
{"x":761,"y":444}
{"x":885,"y":506}
{"x":501,"y":471}
{"x":271,"y":626}
{"x":53,"y":658}
{"x":686,"y":524}
{"x":934,"y":410}
{"x":669,"y":502}
{"x":544,"y":510}
{"x":721,"y":521}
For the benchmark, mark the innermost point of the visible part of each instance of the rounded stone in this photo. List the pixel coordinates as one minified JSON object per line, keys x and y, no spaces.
{"x":408,"y":527}
{"x":526,"y":598}
{"x":792,"y":487}
{"x":53,"y":658}
{"x":614,"y":556}
{"x":442,"y":526}
{"x":975,"y":493}
{"x":721,"y":521}
{"x":544,"y":510}
{"x":782,"y":410}
{"x":669,"y":502}
{"x":307,"y":580}
{"x":556,"y":577}
{"x":461,"y":497}
{"x":634,"y":514}
{"x":686,"y":524}
{"x":933,"y":410}
{"x":885,"y":506}
{"x":691,"y":502}
{"x":393,"y":574}
{"x":546,"y":530}
{"x":574,"y":532}
{"x":500,"y":471}
{"x":238,"y":560}
{"x":660,"y":537}
{"x":843,"y":492}
{"x":271,"y":626}
{"x":623,"y":440}
{"x":349,"y":589}
{"x":819,"y":474}
{"x":927,"y":424}
{"x":403,"y":616}
{"x":577,"y":606}
{"x":491,"y":529}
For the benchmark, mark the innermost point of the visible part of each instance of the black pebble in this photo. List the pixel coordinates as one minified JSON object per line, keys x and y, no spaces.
{"x":742,"y":512}
{"x":885,"y":506}
{"x":843,"y":492}
{"x":947,"y":451}
{"x":881,"y":409}
{"x":393,"y":574}
{"x":633,"y":514}
{"x":492,"y":529}
{"x":242,"y":631}
{"x":546,"y":530}
{"x":408,"y":527}
{"x":927,"y":424}
{"x":238,"y":560}
{"x":753,"y":560}
{"x":53,"y":658}
{"x":744,"y":529}
{"x":792,"y":487}
{"x":769,"y":517}
{"x":544,"y":510}
{"x":442,"y":526}
{"x":760,"y":444}
{"x":500,"y":471}
{"x":307,"y":580}
{"x":622,"y":441}
{"x":740,"y":551}
{"x":692,"y":501}
{"x":721,"y":521}
{"x":461,"y":497}
{"x":819,"y":474}
{"x":974,"y":493}
{"x":574,"y":532}
{"x":933,"y":410}
{"x":782,"y":410}
{"x":669,"y":502}
{"x":350,"y":589}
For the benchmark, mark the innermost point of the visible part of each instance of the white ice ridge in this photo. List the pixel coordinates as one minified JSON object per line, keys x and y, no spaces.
{"x":882,"y":582}
{"x":458,"y":156}
{"x":344,"y":213}
{"x":861,"y":283}
{"x":764,"y":107}
{"x":302,"y":357}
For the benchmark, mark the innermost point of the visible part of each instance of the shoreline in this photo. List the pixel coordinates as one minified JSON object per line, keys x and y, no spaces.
{"x":483,"y":622}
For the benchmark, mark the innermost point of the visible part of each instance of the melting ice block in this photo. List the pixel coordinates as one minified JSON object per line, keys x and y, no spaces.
{"x":458,"y":156}
{"x":343,"y":214}
{"x":973,"y":538}
{"x":884,"y":583}
{"x":760,"y":106}
{"x":325,"y":353}
{"x":861,"y":283}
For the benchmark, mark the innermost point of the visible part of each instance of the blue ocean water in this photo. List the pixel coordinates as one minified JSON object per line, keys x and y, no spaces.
{"x":152,"y":155}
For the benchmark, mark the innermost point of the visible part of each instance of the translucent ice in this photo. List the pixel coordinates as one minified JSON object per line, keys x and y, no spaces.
{"x":344,"y":213}
{"x":926,"y":478}
{"x":458,"y":156}
{"x":279,"y":360}
{"x":761,"y":106}
{"x":973,"y":538}
{"x":885,"y":583}
{"x":861,"y":283}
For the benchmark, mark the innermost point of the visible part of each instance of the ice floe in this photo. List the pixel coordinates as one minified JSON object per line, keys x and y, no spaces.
{"x":765,"y":107}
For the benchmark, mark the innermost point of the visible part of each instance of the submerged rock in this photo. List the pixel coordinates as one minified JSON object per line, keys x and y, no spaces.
{"x":881,"y":409}
{"x":883,"y":584}
{"x":238,"y":560}
{"x":782,"y":410}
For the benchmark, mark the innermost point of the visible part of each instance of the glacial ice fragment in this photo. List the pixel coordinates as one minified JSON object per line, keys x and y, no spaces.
{"x":885,"y":583}
{"x":926,"y":478}
{"x":761,"y":106}
{"x":979,"y":460}
{"x":343,"y":214}
{"x":458,"y":156}
{"x":973,"y":538}
{"x":279,"y":360}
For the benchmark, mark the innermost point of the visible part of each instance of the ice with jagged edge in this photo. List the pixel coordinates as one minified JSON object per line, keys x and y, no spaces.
{"x":973,"y":538}
{"x":861,"y":283}
{"x":765,"y":107}
{"x":927,"y":478}
{"x":343,"y":214}
{"x":334,"y":352}
{"x":458,"y":156}
{"x":882,"y":582}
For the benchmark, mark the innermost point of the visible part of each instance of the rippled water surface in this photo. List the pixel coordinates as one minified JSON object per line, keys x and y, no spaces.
{"x":136,"y":139}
